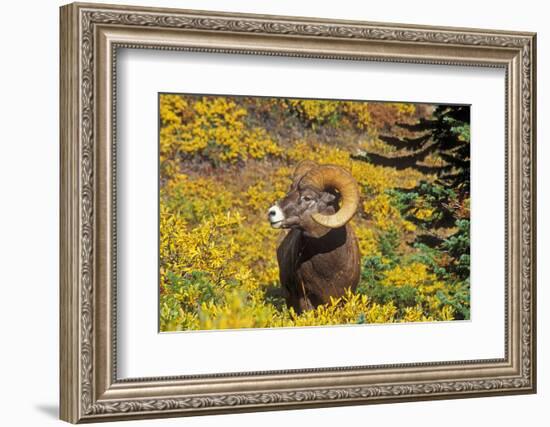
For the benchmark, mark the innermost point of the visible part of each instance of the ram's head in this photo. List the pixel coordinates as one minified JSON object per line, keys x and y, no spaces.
{"x":321,"y":197}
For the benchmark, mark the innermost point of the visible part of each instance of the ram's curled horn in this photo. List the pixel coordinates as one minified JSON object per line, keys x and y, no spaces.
{"x":302,"y":168}
{"x":334,"y":177}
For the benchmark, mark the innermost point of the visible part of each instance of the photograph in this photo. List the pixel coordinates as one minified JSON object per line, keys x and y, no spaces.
{"x":291,"y":212}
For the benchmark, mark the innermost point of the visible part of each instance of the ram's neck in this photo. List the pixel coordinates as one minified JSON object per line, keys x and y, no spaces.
{"x":332,"y":241}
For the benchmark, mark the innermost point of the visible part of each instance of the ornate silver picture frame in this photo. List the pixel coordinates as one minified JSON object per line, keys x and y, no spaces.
{"x":91,"y":36}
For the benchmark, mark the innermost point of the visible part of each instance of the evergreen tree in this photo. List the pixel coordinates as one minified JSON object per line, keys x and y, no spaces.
{"x":437,"y":146}
{"x":446,"y":134}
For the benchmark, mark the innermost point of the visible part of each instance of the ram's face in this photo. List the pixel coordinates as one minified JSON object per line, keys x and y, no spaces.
{"x":312,"y":203}
{"x":295,"y":210}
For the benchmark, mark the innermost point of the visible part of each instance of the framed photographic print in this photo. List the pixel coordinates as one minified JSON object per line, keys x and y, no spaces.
{"x":266,"y":212}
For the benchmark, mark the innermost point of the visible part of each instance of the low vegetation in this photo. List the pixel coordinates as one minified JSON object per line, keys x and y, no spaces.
{"x":225,"y":160}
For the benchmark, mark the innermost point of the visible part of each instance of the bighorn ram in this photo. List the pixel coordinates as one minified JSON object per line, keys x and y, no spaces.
{"x":319,"y":256}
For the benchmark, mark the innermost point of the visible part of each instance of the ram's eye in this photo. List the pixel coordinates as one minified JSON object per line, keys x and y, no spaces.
{"x":307,"y":198}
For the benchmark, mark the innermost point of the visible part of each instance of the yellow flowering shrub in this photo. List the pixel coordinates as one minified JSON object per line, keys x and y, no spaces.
{"x":314,"y":111}
{"x":221,"y":167}
{"x":418,"y":276}
{"x":366,"y":237}
{"x":415,"y":274}
{"x":196,"y":198}
{"x":207,"y":247}
{"x":238,"y":312}
{"x":404,"y":109}
{"x":213,"y":128}
{"x":351,"y":308}
{"x":385,"y":215}
{"x":258,"y":196}
{"x":360,"y":112}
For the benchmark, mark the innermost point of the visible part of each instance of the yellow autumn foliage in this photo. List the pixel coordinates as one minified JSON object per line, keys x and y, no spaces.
{"x":213,"y":128}
{"x":220,"y":171}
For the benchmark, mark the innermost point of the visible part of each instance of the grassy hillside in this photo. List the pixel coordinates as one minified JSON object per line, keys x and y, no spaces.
{"x":225,"y":160}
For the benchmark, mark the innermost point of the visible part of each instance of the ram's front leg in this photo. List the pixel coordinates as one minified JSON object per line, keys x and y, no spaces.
{"x":305,"y":303}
